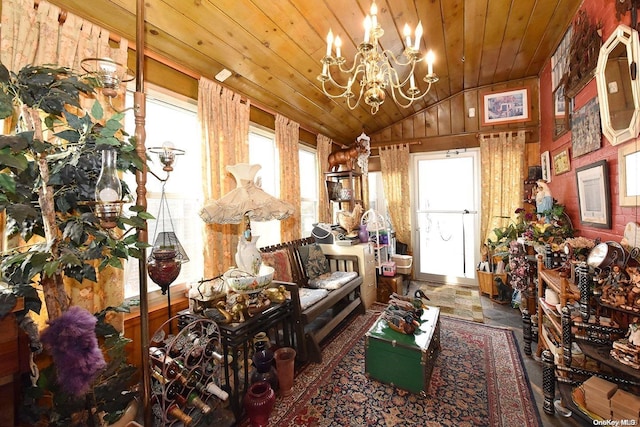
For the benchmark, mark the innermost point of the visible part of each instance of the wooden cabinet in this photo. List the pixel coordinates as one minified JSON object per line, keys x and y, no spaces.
{"x":366,"y":264}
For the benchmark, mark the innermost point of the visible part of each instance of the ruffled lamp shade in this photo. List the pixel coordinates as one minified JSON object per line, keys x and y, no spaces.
{"x":246,"y":199}
{"x":244,"y":203}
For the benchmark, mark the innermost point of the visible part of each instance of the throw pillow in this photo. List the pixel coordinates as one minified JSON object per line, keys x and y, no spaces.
{"x":281,"y":263}
{"x":313,"y":260}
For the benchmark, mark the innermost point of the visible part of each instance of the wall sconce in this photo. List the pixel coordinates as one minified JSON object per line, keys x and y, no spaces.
{"x":108,"y":73}
{"x":108,"y":193}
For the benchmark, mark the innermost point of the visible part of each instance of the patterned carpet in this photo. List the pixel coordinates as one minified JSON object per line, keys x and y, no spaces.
{"x":454,"y":300}
{"x":478,"y":380}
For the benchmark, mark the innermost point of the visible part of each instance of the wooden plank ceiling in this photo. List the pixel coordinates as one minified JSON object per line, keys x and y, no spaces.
{"x":273,"y":48}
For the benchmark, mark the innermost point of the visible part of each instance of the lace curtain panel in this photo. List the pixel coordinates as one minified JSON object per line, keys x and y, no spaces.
{"x":322,"y":154}
{"x":394,"y":163}
{"x":224,"y":118}
{"x":502,"y":175}
{"x":287,"y":140}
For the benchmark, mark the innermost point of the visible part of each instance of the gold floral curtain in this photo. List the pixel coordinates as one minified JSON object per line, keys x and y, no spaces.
{"x":287,"y":142}
{"x":224,"y":118}
{"x":394,"y":164}
{"x":47,"y":35}
{"x":502,"y":159}
{"x":322,"y":154}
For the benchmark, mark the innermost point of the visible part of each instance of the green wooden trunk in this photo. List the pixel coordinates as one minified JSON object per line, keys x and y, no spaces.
{"x":405,"y":361}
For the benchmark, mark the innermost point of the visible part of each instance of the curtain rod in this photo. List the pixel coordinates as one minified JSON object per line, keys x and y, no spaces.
{"x":391,"y":144}
{"x":489,"y":134}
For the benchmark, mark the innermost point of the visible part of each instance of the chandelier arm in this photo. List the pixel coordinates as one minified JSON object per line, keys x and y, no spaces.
{"x":394,"y":80}
{"x":357,"y":60}
{"x":357,"y":102}
{"x":410,"y":99}
{"x":389,"y":54}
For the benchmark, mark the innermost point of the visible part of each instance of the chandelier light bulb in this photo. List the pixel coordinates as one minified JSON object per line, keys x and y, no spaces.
{"x":430,"y":58}
{"x":374,"y":15}
{"x":338,"y":44}
{"x":367,"y":28}
{"x":407,"y":35}
{"x":418,"y":36}
{"x":329,"y":42}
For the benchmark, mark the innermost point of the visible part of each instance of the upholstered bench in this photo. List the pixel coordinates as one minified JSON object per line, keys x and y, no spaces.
{"x":324,"y":289}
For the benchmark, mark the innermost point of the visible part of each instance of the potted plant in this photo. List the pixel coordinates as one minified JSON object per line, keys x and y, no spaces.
{"x":50,"y":167}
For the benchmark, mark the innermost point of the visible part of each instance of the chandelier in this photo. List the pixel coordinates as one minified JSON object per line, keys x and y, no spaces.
{"x":374,"y":72}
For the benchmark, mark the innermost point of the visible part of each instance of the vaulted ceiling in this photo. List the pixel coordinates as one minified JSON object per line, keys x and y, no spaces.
{"x":273,"y":48}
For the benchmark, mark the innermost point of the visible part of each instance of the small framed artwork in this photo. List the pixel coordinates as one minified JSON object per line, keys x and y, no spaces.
{"x":545,"y":162}
{"x":506,"y":107}
{"x":561,"y":162}
{"x":629,"y":175}
{"x":586,"y":133}
{"x":594,"y":196}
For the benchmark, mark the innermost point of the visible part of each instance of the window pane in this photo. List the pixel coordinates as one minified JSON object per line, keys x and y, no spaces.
{"x":262,"y":151}
{"x":171,"y":119}
{"x":308,"y":190}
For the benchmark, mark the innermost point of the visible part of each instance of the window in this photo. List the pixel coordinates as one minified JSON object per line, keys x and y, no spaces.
{"x":308,"y":190}
{"x":174,"y":119}
{"x":263,"y":151}
{"x":377,"y":200}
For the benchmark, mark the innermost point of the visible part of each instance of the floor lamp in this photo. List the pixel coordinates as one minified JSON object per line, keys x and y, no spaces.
{"x":139,"y":102}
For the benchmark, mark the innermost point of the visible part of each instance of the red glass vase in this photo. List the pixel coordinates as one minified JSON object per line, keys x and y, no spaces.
{"x":164,"y":267}
{"x":258,"y":403}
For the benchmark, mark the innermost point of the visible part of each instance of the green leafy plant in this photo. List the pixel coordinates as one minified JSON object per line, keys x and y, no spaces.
{"x":49,"y":169}
{"x":48,"y":172}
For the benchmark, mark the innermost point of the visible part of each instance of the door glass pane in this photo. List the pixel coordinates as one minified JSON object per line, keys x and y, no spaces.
{"x":446,"y":217}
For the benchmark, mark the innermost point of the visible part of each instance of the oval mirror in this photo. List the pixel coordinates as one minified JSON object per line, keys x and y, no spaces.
{"x":618,"y":86}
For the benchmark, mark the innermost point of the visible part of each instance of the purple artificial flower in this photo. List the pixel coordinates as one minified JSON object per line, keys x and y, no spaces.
{"x":71,"y":340}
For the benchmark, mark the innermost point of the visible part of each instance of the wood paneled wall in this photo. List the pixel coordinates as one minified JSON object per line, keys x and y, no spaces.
{"x":447,"y":124}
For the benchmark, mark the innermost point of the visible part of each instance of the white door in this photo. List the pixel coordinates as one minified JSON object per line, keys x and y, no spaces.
{"x":446,"y":222}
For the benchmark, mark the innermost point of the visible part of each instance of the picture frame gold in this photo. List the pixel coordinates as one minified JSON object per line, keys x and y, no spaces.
{"x":562,"y":162}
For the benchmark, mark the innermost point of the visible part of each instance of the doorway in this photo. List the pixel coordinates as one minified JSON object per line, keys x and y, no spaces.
{"x":446,"y":221}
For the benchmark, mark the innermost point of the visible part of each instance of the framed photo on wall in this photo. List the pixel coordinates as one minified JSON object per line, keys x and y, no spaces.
{"x":594,"y":195}
{"x":545,"y":162}
{"x":505,"y":107}
{"x":561,"y":162}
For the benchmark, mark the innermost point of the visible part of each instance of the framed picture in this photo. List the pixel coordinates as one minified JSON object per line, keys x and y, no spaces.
{"x":594,"y":196}
{"x":561,"y":162}
{"x":545,"y":161}
{"x":506,"y":107}
{"x":586,"y":134}
{"x":629,"y":175}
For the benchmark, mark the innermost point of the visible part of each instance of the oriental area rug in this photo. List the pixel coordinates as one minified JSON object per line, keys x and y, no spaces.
{"x":454,"y":300}
{"x":478,"y":380}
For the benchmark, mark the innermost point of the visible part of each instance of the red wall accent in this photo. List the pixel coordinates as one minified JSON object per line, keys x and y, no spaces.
{"x":564,"y":187}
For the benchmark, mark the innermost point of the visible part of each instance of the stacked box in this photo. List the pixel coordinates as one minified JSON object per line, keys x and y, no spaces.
{"x":403,"y":263}
{"x":405,"y":361}
{"x":597,"y":395}
{"x":625,"y":406}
